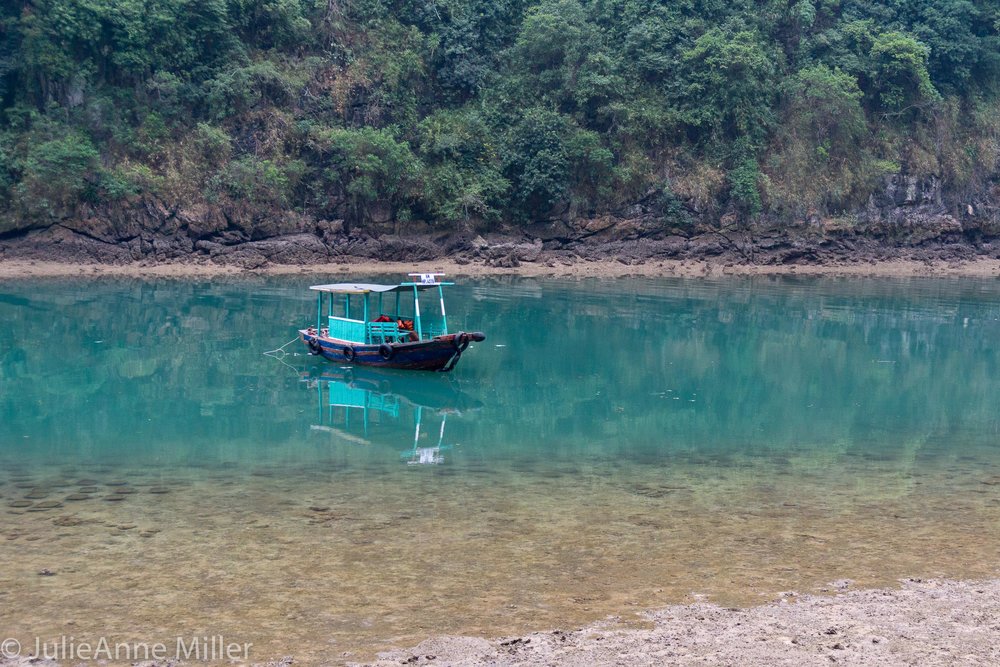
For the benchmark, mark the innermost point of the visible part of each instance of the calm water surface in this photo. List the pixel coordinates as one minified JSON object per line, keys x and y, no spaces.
{"x":612,"y":446}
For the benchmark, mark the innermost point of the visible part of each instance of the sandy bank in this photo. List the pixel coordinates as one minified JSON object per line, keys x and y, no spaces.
{"x":15,"y":269}
{"x":922,"y":623}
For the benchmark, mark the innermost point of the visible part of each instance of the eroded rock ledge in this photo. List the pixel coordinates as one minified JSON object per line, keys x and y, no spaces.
{"x":907,"y":223}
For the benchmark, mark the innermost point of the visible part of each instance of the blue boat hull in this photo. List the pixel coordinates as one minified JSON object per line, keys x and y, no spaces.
{"x":438,"y":354}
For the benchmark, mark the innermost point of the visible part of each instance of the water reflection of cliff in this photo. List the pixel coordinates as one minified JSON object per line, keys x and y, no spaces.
{"x":365,"y":407}
{"x":116,"y":368}
{"x":651,"y":367}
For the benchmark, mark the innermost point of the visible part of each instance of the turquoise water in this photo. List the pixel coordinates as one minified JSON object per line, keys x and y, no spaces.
{"x":613,"y":445}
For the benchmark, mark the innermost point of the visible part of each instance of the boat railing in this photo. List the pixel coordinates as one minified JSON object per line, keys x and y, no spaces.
{"x":388,"y":404}
{"x":434,"y":330}
{"x":344,"y":328}
{"x":342,"y":396}
{"x":385,"y":332}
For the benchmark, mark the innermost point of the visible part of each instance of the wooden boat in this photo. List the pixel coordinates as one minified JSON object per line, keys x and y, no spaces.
{"x":357,"y":324}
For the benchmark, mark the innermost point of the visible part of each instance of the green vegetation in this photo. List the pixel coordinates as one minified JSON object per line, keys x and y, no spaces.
{"x":485,"y":111}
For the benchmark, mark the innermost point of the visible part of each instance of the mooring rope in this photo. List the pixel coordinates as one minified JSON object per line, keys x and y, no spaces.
{"x":280,"y":352}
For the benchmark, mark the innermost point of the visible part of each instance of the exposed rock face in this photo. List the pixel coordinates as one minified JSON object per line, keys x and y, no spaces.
{"x":912,"y":191}
{"x":288,"y":249}
{"x":908,"y":219}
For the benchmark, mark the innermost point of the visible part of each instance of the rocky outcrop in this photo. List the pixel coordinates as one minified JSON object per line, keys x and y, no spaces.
{"x":907,"y":219}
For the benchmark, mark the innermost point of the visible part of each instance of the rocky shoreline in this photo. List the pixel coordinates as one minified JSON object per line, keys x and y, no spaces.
{"x":60,"y":251}
{"x":15,"y":269}
{"x":921,"y":623}
{"x":751,"y":247}
{"x":907,"y":222}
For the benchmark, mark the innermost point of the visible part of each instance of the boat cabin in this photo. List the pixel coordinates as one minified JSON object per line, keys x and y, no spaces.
{"x":370,"y":314}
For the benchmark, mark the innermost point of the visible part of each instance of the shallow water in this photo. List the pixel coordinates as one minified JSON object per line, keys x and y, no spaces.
{"x":612,"y":446}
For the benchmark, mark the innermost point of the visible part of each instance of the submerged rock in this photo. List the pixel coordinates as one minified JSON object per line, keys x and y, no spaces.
{"x":49,"y":504}
{"x":67,"y":521}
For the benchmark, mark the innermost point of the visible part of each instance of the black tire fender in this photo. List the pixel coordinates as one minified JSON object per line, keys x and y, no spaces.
{"x":461,"y":341}
{"x":386,"y":351}
{"x":349,"y":353}
{"x":314,"y":346}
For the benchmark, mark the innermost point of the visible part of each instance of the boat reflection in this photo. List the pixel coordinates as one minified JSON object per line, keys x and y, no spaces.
{"x":364,"y":407}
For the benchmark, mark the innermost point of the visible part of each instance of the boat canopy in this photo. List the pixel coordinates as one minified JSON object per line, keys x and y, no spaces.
{"x":359,"y":324}
{"x":366,"y":288}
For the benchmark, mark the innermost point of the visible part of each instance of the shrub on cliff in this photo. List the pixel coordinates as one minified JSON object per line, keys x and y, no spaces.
{"x":55,"y":174}
{"x":477,"y":112}
{"x":357,"y":170}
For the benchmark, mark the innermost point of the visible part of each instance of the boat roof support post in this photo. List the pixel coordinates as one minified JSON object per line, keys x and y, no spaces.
{"x":417,"y":414}
{"x":366,"y":338}
{"x":416,"y":311}
{"x":319,"y":311}
{"x":319,"y":389}
{"x":444,"y":318}
{"x":444,"y":419}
